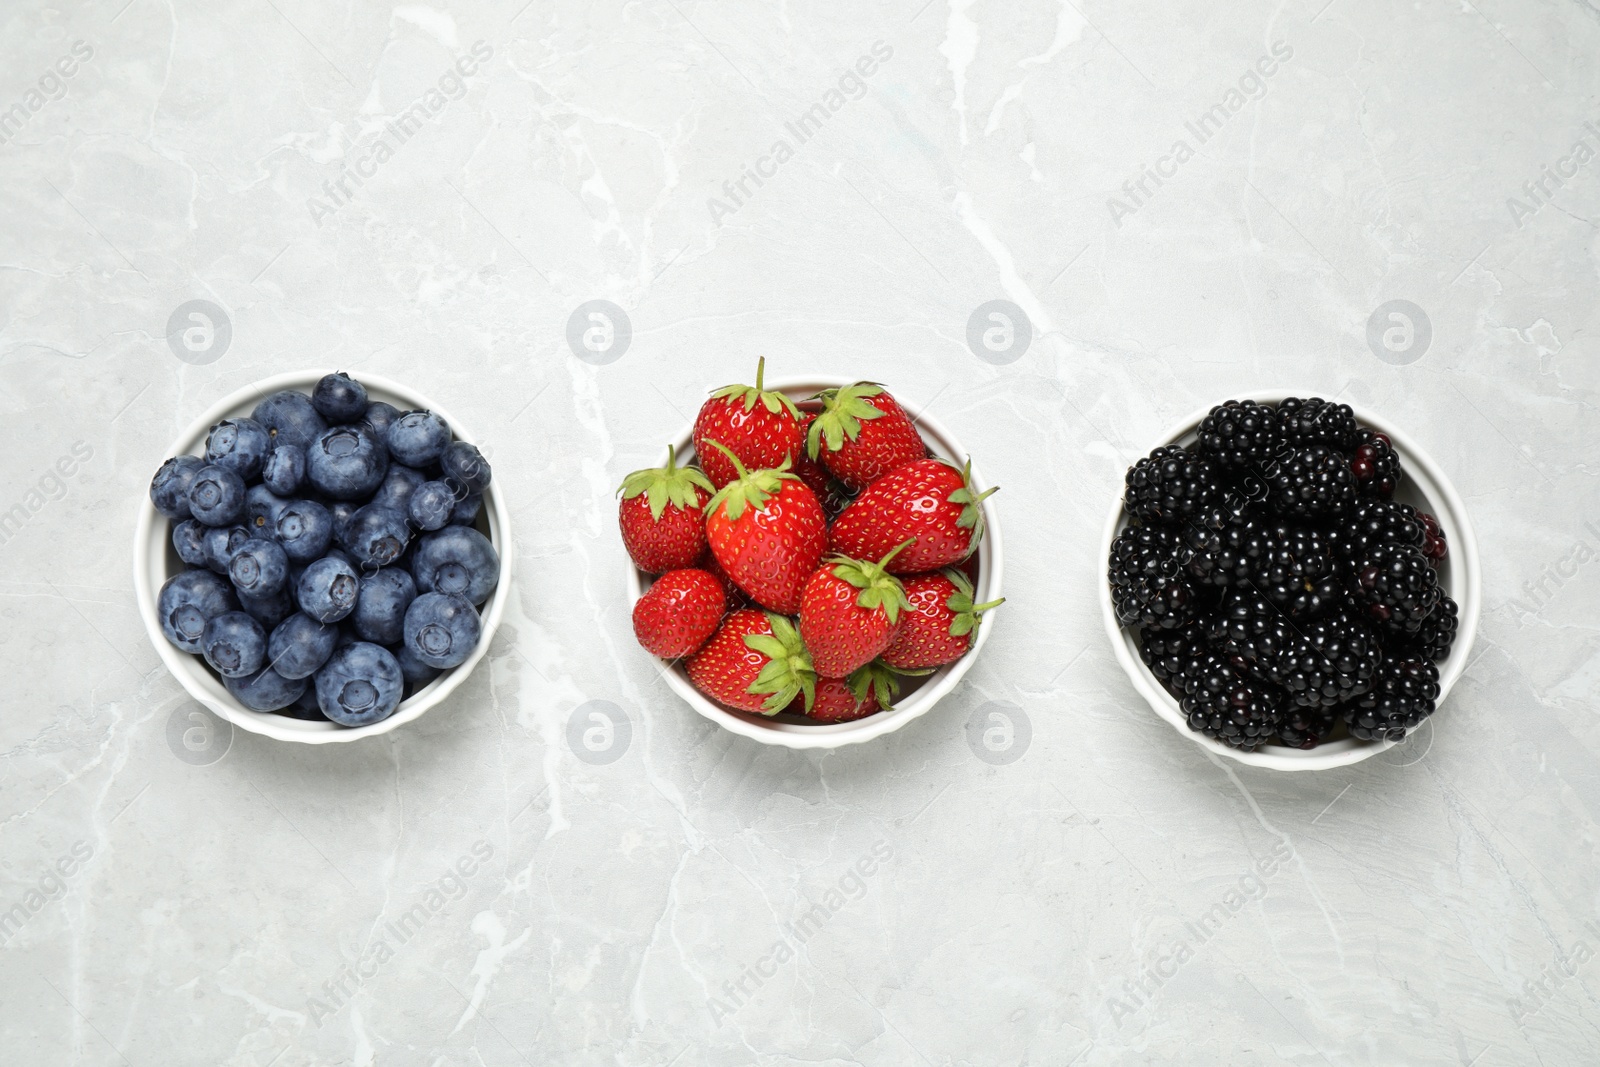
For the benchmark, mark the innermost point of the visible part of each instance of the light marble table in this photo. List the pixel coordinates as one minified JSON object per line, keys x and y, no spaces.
{"x":1184,"y":201}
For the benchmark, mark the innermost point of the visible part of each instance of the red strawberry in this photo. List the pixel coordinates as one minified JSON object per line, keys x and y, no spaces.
{"x":850,"y":612}
{"x":862,"y":434}
{"x":768,"y":534}
{"x":760,"y":426}
{"x":662,"y":517}
{"x":928,"y":500}
{"x":679,"y":612}
{"x":754,"y":663}
{"x":866,"y":692}
{"x":829,"y":492}
{"x":941,"y":623}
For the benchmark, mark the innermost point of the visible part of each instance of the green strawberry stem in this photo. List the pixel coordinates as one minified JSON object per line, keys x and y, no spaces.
{"x":971,"y":517}
{"x":750,"y":488}
{"x":967,"y":614}
{"x":788,"y":672}
{"x":843,"y":411}
{"x":882,"y":679}
{"x":671,"y":484}
{"x":879,"y":588}
{"x":770,"y":399}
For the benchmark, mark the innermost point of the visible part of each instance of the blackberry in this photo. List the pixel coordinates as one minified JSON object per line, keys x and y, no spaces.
{"x":1434,"y":543}
{"x":1241,"y":433}
{"x":1373,"y":522}
{"x":1401,"y":697}
{"x":1167,"y":652}
{"x":1252,"y":632}
{"x":1294,"y":567}
{"x":1398,"y":587}
{"x":1149,"y":586}
{"x":1222,"y":703}
{"x":1306,"y":728}
{"x":1170,"y":486}
{"x":1333,"y":660}
{"x":1374,"y":463}
{"x":1315,"y":421}
{"x":1437,"y":633}
{"x":1310,"y":481}
{"x":1218,"y":542}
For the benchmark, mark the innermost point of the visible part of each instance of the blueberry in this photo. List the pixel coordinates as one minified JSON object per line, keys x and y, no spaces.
{"x":305,"y":708}
{"x":467,"y":507}
{"x":304,"y":529}
{"x":431,"y":506}
{"x":465,"y":466}
{"x":221,"y":542}
{"x":327,"y":590}
{"x":346,"y":462}
{"x":397,"y":487}
{"x":340,"y":511}
{"x":289,"y":418}
{"x":340,"y":554}
{"x":189,"y":541}
{"x":417,"y":438}
{"x":381,"y":604}
{"x":415,"y":671}
{"x":442,"y":629}
{"x":216,"y":496}
{"x":285,"y":469}
{"x":259,"y":568}
{"x":190,"y":600}
{"x":375,"y":536}
{"x":234,"y":644}
{"x":266,"y":690}
{"x":379,"y":417}
{"x":271,"y":609}
{"x":299,"y":645}
{"x":339,"y":398}
{"x":359,"y":685}
{"x":241,"y":445}
{"x":169,"y":489}
{"x":261,"y":510}
{"x":456,"y":559}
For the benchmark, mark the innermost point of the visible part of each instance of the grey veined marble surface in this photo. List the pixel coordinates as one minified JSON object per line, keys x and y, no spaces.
{"x":1178,"y":202}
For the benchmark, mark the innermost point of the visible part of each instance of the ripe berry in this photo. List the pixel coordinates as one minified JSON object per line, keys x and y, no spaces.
{"x":1171,"y":485}
{"x":1375,"y":464}
{"x":1240,"y":433}
{"x":1401,"y":697}
{"x":1149,"y":585}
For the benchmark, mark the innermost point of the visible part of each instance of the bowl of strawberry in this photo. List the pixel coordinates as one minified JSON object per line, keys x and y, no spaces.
{"x":812,"y":565}
{"x":1290,"y":582}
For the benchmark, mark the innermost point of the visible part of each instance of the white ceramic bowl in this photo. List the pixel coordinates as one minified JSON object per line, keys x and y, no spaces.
{"x":1427,"y":488}
{"x":919,"y":694}
{"x":155,"y":560}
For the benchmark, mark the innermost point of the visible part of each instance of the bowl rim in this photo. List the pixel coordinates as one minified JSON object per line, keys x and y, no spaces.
{"x":198,"y":681}
{"x":1466,"y":590}
{"x":916,"y":704}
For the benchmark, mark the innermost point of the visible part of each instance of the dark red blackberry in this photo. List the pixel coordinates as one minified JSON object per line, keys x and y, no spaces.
{"x":1310,"y":481}
{"x":1333,"y":660}
{"x":1252,"y":631}
{"x":1294,"y":567}
{"x":1306,"y":728}
{"x":1397,"y":586}
{"x":1402,"y":695}
{"x":1170,"y":485}
{"x":1240,"y":433}
{"x":1437,"y":633}
{"x":1434,"y":544}
{"x":1222,"y":703}
{"x":1372,"y":522}
{"x":1374,"y":463}
{"x":1315,"y":421}
{"x":1149,"y":586}
{"x":1167,"y":652}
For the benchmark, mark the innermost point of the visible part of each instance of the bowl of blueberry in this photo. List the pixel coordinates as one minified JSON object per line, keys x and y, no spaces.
{"x":1290,"y":582}
{"x":322,"y":559}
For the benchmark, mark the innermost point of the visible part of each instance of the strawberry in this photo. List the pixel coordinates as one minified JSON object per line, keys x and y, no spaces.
{"x":866,"y":692}
{"x":850,"y":612}
{"x":928,"y":500}
{"x":768,"y":533}
{"x":679,"y":613}
{"x":862,"y":434}
{"x":941,"y":623}
{"x":830,"y":493}
{"x":662,"y":516}
{"x":755,"y":662}
{"x":760,"y":426}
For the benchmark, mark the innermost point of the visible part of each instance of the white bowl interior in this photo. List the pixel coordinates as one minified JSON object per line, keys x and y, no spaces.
{"x":155,"y":561}
{"x":1425,"y":487}
{"x":918,"y":695}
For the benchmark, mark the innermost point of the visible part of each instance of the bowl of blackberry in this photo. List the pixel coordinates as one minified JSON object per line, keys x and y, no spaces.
{"x":322,"y":559}
{"x":1291,"y":582}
